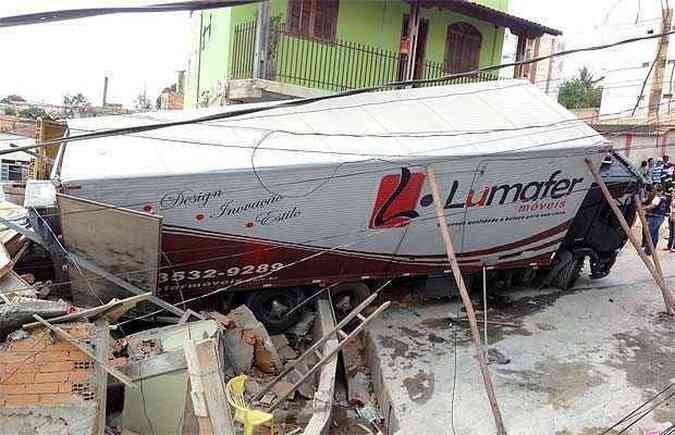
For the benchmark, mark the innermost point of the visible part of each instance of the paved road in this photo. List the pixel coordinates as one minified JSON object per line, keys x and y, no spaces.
{"x":582,"y":360}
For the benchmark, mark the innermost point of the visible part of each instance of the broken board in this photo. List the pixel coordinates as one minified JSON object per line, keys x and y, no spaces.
{"x":121,"y":241}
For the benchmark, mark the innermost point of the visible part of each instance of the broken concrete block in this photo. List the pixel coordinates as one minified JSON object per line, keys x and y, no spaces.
{"x":284,"y":349}
{"x":303,"y":327}
{"x":21,"y":310}
{"x":358,"y":389}
{"x":281,"y":388}
{"x":307,"y":388}
{"x":249,"y":343}
{"x":352,"y":356}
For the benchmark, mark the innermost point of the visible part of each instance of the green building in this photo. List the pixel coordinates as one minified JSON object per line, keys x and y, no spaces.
{"x":311,"y":47}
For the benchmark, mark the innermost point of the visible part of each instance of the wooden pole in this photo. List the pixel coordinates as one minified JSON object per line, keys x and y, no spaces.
{"x":650,"y":241}
{"x":466,"y":300}
{"x":208,"y":388}
{"x":103,"y":354}
{"x":667,"y":296}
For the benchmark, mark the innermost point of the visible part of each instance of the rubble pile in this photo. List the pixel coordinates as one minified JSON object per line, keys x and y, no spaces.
{"x":66,"y":368}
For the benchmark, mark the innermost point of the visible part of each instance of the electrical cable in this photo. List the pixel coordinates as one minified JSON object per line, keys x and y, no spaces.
{"x":300,"y":102}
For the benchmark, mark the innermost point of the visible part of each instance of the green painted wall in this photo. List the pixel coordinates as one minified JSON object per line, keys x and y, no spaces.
{"x":372,"y":23}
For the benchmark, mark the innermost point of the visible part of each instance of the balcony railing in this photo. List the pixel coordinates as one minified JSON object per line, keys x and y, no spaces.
{"x":330,"y":65}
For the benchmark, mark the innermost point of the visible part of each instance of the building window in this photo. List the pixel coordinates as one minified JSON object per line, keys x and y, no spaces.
{"x":313,"y":18}
{"x":462,"y":48}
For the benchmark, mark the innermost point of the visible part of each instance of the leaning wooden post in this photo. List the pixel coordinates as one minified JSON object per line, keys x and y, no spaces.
{"x":466,"y":300}
{"x":667,"y":296}
{"x":648,"y":238}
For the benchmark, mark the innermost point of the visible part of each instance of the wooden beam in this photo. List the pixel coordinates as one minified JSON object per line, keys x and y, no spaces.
{"x":208,"y":388}
{"x":72,"y":340}
{"x":667,"y":295}
{"x":466,"y":300}
{"x":648,"y":237}
{"x":96,"y":312}
{"x":102,"y":354}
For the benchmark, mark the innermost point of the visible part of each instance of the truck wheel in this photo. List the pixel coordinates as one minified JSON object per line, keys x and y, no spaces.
{"x":270,"y":307}
{"x":568,"y":275}
{"x":348,"y":296}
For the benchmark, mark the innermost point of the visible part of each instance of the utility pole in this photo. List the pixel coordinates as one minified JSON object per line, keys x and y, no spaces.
{"x":105,"y":91}
{"x":262,"y":41}
{"x":660,"y":66}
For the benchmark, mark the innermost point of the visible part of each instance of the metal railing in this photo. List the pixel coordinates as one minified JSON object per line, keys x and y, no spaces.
{"x":330,"y":65}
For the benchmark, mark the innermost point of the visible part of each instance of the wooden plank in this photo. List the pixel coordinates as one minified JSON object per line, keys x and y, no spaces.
{"x":667,"y":295}
{"x":92,"y":313}
{"x":102,"y":354}
{"x":648,"y":238}
{"x":105,"y":364}
{"x":208,"y":387}
{"x":118,"y":240}
{"x":466,"y":300}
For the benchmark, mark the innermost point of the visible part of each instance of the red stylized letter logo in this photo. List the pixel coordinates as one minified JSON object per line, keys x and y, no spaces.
{"x":396,"y":200}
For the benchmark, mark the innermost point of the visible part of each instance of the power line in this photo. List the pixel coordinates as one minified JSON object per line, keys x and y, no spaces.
{"x":300,"y":102}
{"x":72,"y":14}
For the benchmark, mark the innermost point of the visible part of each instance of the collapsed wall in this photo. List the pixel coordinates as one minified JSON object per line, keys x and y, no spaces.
{"x":47,"y":385}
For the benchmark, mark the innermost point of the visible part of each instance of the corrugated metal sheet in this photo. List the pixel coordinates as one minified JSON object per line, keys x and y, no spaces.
{"x":451,"y":121}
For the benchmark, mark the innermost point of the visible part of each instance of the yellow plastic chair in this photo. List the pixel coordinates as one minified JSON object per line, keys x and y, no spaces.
{"x":243,"y":413}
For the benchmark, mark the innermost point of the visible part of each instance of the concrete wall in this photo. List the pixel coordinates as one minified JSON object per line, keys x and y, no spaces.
{"x":638,"y":147}
{"x":48,"y":386}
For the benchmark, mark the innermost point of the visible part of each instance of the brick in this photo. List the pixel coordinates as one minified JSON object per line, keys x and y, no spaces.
{"x":55,"y":399}
{"x":79,"y":376}
{"x":76,"y":355}
{"x":57,"y":366}
{"x":48,"y":355}
{"x":23,"y":368}
{"x":23,"y":400}
{"x":17,"y":357}
{"x":66,"y":387}
{"x":28,"y":345}
{"x":52,"y":377}
{"x":19,"y":377}
{"x":20,"y":389}
{"x":44,"y":388}
{"x":62,"y":345}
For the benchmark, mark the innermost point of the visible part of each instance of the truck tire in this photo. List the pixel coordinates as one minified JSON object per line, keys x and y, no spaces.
{"x":568,"y":274}
{"x":270,"y":307}
{"x":348,"y":296}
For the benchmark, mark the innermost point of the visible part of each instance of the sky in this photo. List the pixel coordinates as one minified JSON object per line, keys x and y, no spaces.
{"x":144,"y":51}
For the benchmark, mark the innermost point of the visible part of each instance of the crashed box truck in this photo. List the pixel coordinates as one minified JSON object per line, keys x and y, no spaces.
{"x":282,"y":199}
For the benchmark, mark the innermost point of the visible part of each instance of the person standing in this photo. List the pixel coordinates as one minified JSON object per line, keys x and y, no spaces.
{"x":644,"y":169}
{"x":671,"y":225}
{"x":650,"y":169}
{"x":657,"y":211}
{"x":659,"y":166}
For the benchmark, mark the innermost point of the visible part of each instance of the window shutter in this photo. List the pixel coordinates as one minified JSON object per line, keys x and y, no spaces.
{"x":462,"y":48}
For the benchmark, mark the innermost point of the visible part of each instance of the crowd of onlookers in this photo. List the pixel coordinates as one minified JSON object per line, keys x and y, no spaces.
{"x":659,"y":199}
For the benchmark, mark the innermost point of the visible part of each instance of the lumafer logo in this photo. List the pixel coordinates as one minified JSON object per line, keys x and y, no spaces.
{"x":397,"y":199}
{"x":399,"y":196}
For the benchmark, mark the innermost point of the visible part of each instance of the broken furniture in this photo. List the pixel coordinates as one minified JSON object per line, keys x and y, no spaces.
{"x":243,"y":412}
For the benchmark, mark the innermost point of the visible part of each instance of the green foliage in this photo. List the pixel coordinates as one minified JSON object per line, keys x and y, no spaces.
{"x":13,"y":98}
{"x":76,"y":100}
{"x":10,"y":111}
{"x":33,"y":112}
{"x":581,"y":92}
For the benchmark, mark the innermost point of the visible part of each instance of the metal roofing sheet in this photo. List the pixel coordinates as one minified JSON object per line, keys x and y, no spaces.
{"x":458,"y":120}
